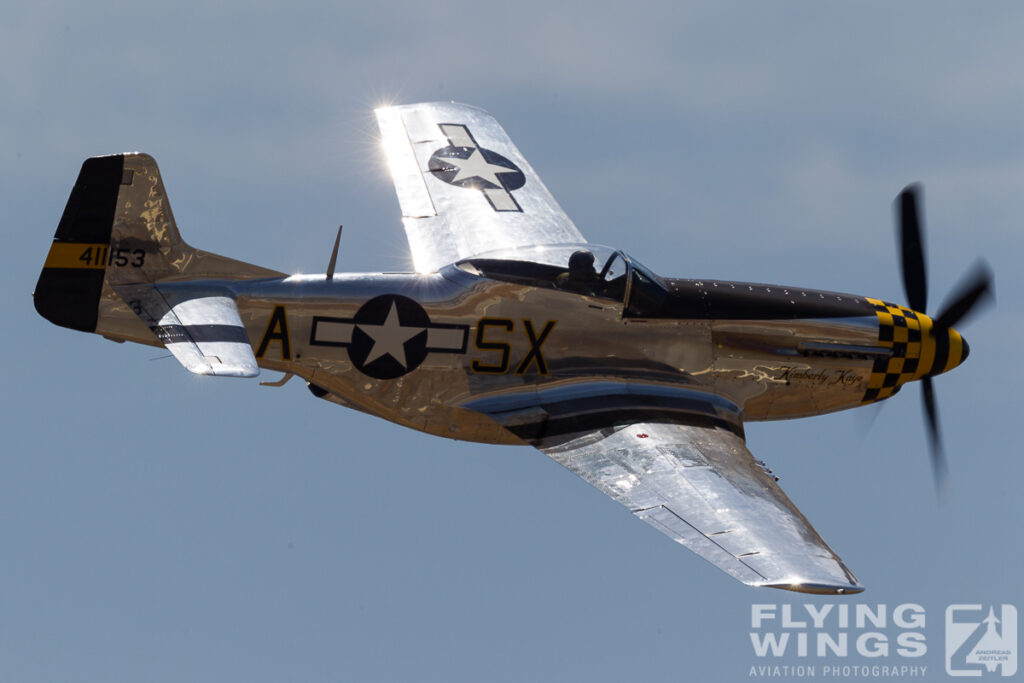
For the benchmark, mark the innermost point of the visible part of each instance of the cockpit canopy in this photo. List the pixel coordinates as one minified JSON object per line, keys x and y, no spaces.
{"x":588,"y":269}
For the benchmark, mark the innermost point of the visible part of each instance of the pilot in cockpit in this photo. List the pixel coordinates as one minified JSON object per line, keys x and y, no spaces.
{"x":582,"y":277}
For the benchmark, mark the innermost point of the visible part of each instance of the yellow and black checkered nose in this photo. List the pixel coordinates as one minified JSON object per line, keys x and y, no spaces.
{"x":951,"y":350}
{"x":919,"y":349}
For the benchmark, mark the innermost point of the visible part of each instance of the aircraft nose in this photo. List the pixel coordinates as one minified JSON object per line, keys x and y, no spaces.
{"x":950,"y":350}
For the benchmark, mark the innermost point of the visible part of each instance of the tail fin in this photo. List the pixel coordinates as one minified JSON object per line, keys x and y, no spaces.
{"x":117,"y":229}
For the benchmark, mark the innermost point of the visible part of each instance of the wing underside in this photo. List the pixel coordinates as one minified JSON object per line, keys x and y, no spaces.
{"x":463,"y":186}
{"x":700,"y":486}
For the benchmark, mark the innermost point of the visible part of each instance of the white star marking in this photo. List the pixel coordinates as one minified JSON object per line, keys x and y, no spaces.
{"x":477,"y":167}
{"x":389,"y":339}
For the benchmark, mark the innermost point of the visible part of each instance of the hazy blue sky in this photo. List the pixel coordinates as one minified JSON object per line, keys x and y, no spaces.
{"x":162,"y":527}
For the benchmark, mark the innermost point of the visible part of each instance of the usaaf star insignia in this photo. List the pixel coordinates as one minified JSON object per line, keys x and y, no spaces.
{"x":464,"y":163}
{"x":389,"y":336}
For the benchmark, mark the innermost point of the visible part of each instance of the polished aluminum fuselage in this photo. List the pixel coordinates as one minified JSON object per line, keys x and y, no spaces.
{"x":766,"y":368}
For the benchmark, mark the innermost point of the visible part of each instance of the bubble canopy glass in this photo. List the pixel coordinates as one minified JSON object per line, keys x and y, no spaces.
{"x":548,"y":266}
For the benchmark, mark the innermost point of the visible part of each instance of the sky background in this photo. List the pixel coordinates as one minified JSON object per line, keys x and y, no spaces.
{"x":159,"y":526}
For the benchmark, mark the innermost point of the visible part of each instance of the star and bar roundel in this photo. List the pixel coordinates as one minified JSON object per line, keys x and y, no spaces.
{"x":389,"y":336}
{"x":464,"y":163}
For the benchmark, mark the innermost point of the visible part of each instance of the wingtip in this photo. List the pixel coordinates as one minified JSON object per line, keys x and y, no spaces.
{"x":817,"y":588}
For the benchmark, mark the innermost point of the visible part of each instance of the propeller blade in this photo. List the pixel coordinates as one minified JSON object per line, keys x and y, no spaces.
{"x":931,"y":412}
{"x":866,"y":416}
{"x":915,"y":278}
{"x":977,"y":286}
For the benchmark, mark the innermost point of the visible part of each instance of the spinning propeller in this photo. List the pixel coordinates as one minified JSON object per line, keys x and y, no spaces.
{"x":961,"y":302}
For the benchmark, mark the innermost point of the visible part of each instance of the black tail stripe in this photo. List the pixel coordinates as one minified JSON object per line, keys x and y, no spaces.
{"x":89,"y":214}
{"x":70,"y":296}
{"x":174,"y":334}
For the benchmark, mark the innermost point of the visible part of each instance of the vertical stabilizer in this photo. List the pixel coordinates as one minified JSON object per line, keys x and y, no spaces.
{"x":118,"y":230}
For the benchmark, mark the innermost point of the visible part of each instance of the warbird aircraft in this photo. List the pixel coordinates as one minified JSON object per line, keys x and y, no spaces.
{"x":514,"y":330}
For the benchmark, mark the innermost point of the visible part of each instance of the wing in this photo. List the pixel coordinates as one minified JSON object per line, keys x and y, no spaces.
{"x":463,"y":186}
{"x":700,"y":486}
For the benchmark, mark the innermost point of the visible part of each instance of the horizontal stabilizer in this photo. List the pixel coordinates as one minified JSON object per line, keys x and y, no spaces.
{"x":201,"y":329}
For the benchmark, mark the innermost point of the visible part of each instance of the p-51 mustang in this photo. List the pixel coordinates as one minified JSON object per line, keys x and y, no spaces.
{"x":514,"y":330}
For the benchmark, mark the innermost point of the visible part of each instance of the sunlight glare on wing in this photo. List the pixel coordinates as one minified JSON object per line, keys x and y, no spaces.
{"x":405,"y":172}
